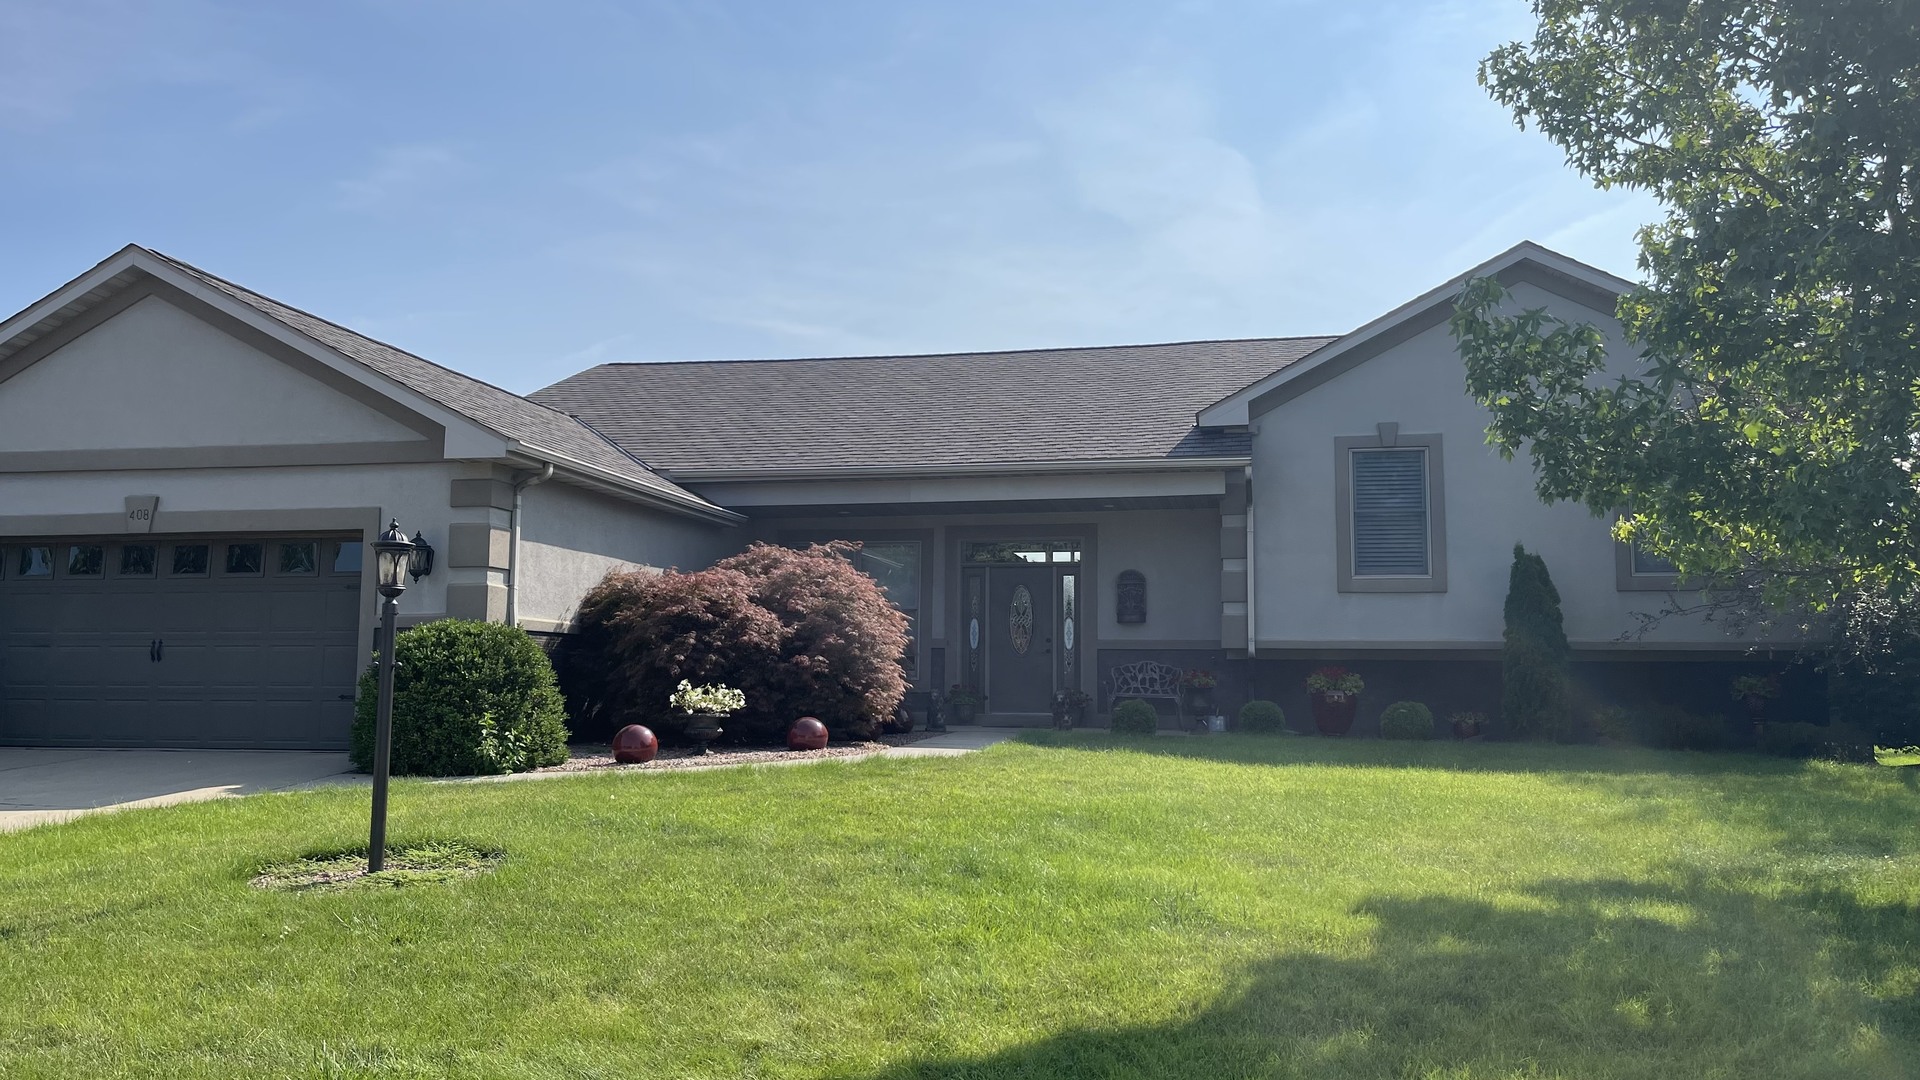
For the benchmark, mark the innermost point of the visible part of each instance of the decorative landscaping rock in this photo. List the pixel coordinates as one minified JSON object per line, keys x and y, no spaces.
{"x":635,"y":745}
{"x":807,"y":733}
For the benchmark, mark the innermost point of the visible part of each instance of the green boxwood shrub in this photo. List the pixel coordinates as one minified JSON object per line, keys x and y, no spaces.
{"x":1262,"y":718}
{"x":1673,"y":728}
{"x":1616,"y":725}
{"x":1135,"y":718}
{"x":1406,"y":720}
{"x":469,"y":698}
{"x":1792,"y":739}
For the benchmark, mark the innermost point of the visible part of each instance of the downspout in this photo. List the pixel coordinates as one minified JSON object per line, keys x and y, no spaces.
{"x":1253,"y":585}
{"x":513,"y":541}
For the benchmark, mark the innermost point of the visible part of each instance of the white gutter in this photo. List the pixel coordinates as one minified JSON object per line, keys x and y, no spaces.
{"x":513,"y":541}
{"x":687,"y":503}
{"x":1007,"y":468}
{"x":1253,"y":583}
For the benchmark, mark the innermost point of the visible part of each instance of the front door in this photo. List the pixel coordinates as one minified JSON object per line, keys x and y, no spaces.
{"x":1020,"y":661}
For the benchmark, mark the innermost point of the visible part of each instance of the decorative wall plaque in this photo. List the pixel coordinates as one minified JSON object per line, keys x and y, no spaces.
{"x":1130,"y":597}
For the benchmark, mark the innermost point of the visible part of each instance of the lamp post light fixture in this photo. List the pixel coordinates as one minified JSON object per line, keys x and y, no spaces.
{"x":393,"y":554}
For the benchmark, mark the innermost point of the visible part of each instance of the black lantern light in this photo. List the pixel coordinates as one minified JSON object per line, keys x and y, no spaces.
{"x":393,"y":554}
{"x":420,"y":563}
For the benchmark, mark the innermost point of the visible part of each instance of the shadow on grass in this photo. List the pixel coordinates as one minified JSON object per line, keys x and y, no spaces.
{"x":1603,"y":978}
{"x":1505,"y":757}
{"x":1807,"y":808}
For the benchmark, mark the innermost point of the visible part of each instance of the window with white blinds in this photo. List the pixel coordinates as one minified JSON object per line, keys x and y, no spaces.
{"x":1391,"y":511}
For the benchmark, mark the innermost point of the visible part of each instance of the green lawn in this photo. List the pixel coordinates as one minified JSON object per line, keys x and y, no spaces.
{"x":1222,"y":907}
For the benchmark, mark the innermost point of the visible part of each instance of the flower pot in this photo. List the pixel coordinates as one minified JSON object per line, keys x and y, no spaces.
{"x":962,"y":712}
{"x":1464,"y":732}
{"x":1333,"y":711}
{"x":703,"y":728}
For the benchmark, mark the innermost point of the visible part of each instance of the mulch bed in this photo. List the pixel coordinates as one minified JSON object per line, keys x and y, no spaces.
{"x":589,"y":758}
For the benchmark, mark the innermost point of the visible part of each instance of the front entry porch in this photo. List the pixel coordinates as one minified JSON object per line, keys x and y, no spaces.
{"x":1019,"y":620}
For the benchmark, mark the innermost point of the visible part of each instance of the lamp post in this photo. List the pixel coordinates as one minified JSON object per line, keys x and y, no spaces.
{"x":393,"y":555}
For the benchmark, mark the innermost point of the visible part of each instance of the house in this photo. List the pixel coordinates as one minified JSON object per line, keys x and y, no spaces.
{"x":189,"y":472}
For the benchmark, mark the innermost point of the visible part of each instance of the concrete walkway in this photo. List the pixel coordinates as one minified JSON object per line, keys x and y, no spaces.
{"x":42,"y":785}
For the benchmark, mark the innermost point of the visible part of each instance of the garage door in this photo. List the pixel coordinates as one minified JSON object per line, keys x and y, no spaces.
{"x":193,"y":641}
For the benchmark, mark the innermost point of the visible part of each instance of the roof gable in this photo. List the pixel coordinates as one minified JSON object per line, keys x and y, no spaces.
{"x":1526,"y":261}
{"x":142,"y":372}
{"x":525,"y":426}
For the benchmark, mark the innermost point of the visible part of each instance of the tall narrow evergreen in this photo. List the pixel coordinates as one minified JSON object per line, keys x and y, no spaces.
{"x":1534,"y":699}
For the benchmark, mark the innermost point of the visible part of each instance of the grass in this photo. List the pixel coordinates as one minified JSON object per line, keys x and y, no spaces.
{"x":1071,"y":906}
{"x":432,"y":862}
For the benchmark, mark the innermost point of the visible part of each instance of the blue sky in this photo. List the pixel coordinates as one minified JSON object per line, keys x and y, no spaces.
{"x":520,"y":190}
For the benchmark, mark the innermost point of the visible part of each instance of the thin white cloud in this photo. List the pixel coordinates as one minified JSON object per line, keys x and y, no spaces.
{"x":400,"y":173}
{"x":60,"y":59}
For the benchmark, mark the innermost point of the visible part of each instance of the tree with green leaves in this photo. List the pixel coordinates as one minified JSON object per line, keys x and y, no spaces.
{"x":1769,"y":442}
{"x":1535,"y":702}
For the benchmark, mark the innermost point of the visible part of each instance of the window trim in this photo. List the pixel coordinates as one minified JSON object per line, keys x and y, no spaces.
{"x":1626,"y":579}
{"x":1388,"y":437}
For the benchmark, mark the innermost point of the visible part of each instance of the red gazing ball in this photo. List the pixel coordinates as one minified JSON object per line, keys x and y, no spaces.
{"x":635,"y":745}
{"x":807,"y":733}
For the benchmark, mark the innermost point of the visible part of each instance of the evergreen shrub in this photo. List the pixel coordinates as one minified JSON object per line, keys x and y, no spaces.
{"x":469,"y":698}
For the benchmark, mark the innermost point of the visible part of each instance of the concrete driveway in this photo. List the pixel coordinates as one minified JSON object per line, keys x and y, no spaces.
{"x":38,"y":786}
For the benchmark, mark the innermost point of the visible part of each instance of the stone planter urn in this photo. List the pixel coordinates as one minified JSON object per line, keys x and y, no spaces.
{"x":703,"y":728}
{"x":1333,"y":711}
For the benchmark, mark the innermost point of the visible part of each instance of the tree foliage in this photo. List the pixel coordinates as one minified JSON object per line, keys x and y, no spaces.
{"x":1534,"y":696}
{"x":1769,"y":438}
{"x":800,"y":632}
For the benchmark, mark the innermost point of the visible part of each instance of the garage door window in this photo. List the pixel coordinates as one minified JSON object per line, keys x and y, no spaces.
{"x":244,"y":558}
{"x":34,"y":562}
{"x":190,"y":560}
{"x":86,"y":560}
{"x":298,"y":557}
{"x":346,"y":557}
{"x":136,"y":560}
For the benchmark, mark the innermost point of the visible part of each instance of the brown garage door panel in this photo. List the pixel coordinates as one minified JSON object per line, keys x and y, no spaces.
{"x":209,"y":659}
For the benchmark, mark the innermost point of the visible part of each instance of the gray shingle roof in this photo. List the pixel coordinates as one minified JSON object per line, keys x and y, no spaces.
{"x":539,"y":427}
{"x":1044,"y":405}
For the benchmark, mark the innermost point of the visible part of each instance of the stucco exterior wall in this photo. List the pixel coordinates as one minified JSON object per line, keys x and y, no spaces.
{"x":155,"y":376}
{"x":571,"y":537}
{"x":1489,"y":505}
{"x":1177,"y":550}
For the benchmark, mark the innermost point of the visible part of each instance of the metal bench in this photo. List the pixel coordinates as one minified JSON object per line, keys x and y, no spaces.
{"x":1146,"y":680}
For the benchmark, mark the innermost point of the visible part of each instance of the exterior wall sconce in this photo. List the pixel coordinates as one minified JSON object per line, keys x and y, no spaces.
{"x":420,"y":561}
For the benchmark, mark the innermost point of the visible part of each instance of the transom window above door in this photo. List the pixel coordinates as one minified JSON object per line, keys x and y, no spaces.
{"x":1015,"y":552}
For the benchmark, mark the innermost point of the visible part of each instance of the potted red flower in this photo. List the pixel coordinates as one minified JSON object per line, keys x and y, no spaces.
{"x":1336,"y":697}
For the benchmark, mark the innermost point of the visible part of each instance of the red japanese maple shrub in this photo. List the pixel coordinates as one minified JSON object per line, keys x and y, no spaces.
{"x":639,"y":633}
{"x":841,"y":640}
{"x":799,"y":632}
